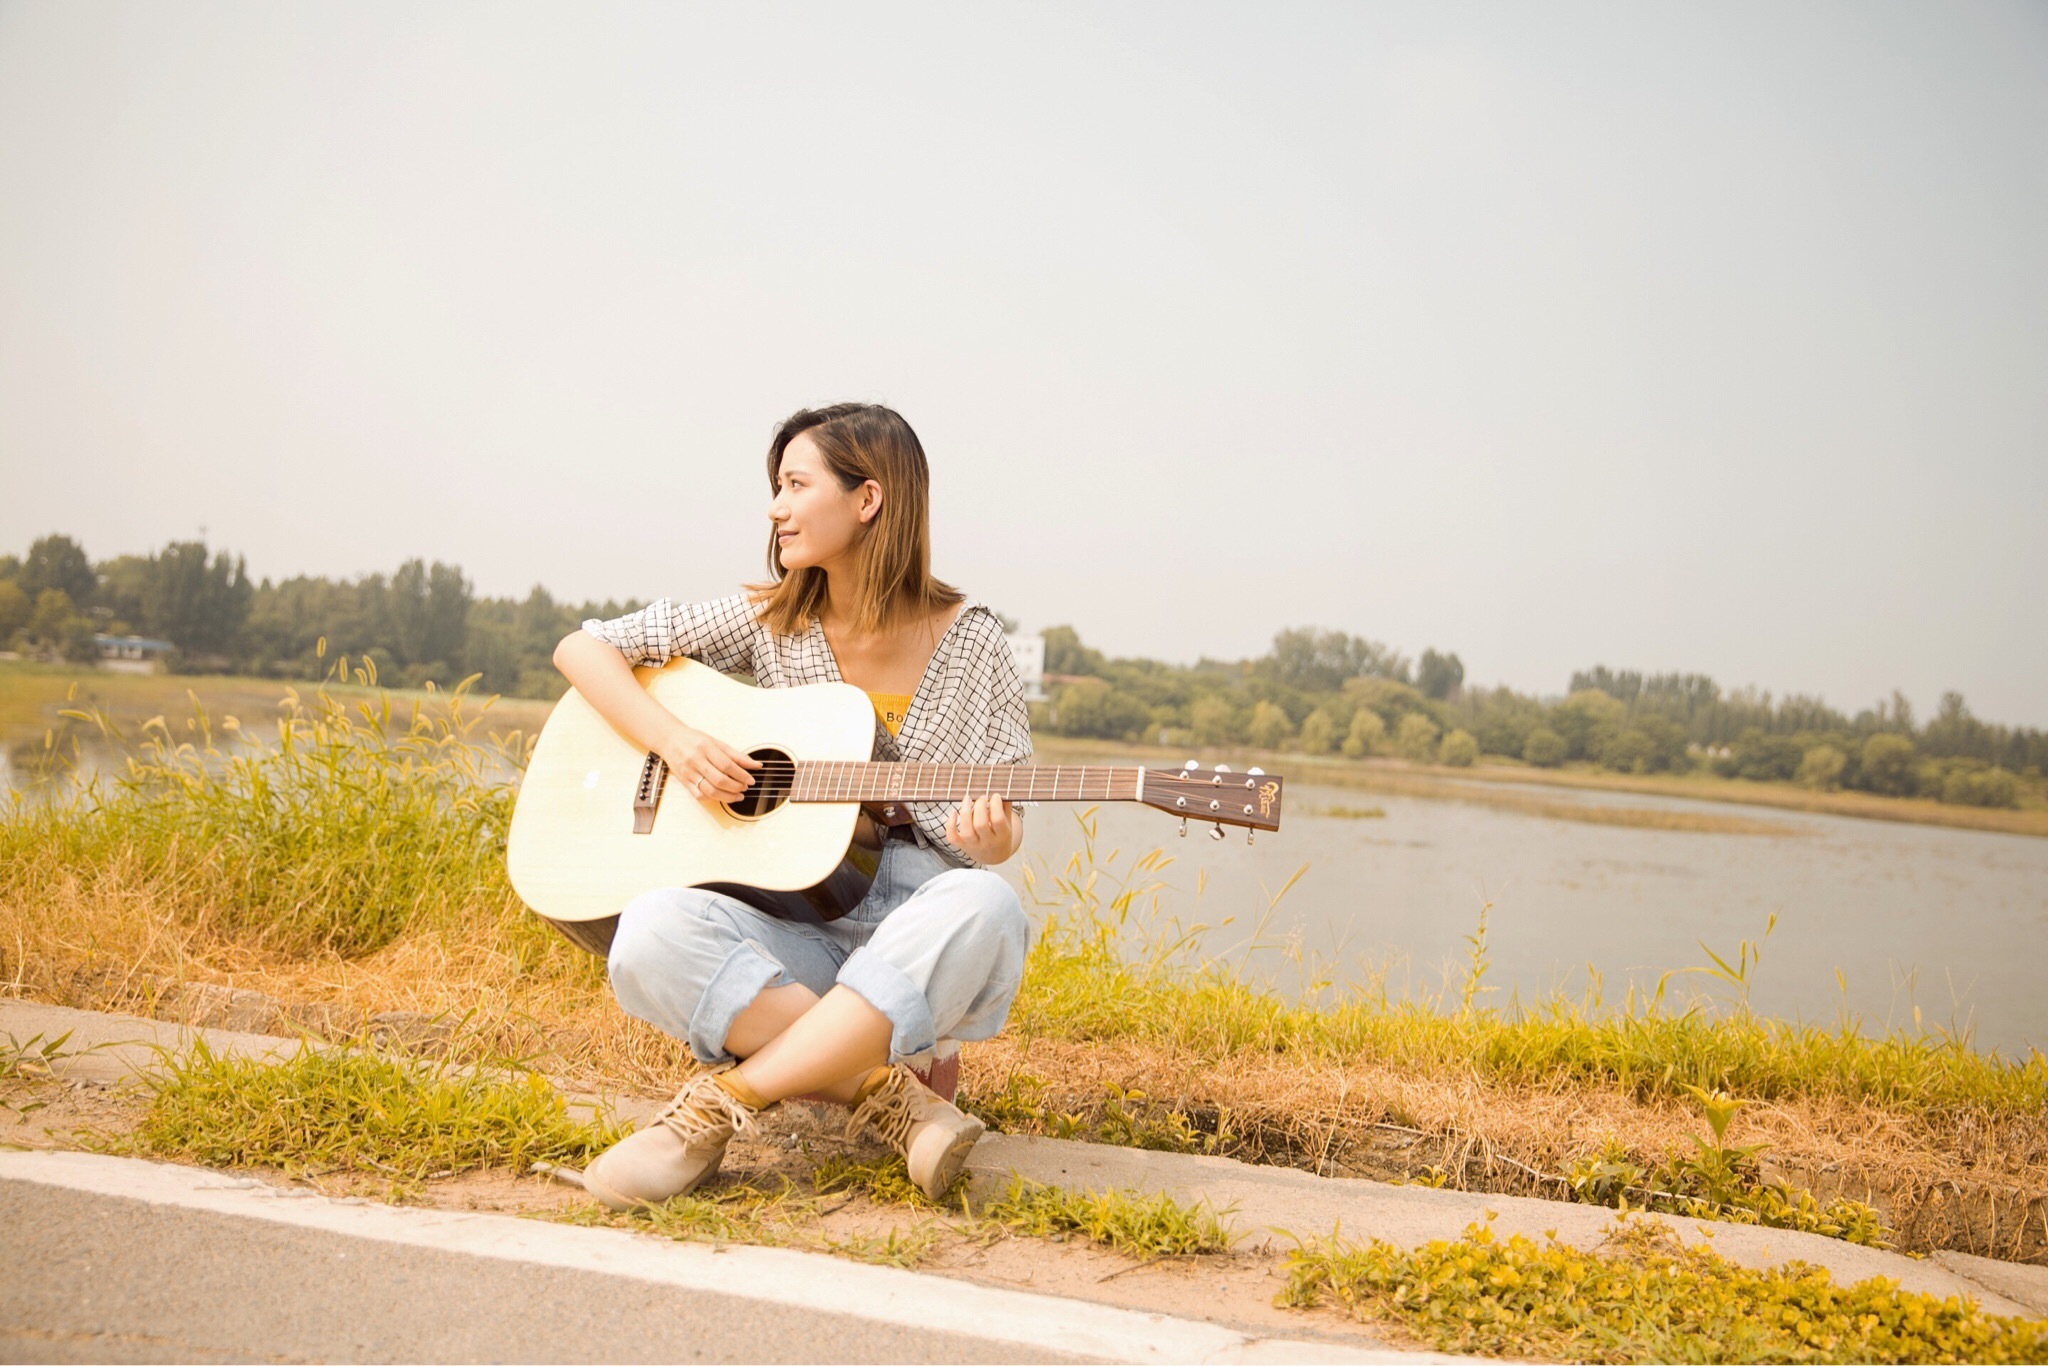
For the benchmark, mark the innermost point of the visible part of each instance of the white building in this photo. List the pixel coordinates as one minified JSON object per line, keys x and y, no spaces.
{"x":1029,"y":652}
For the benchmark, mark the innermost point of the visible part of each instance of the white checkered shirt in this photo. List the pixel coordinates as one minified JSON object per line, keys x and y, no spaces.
{"x":968,"y":708}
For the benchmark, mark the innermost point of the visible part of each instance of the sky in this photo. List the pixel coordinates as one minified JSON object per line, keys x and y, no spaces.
{"x":1681,"y":337}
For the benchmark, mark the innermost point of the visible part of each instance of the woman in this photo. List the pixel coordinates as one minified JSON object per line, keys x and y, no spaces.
{"x":933,"y":955}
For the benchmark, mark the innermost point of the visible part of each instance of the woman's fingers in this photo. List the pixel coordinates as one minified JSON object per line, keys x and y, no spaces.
{"x":728,"y":768}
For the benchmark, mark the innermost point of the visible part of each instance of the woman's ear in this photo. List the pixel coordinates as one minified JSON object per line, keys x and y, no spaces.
{"x":870,"y":501}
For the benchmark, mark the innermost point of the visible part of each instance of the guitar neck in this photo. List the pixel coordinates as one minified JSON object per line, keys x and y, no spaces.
{"x":898,"y":782}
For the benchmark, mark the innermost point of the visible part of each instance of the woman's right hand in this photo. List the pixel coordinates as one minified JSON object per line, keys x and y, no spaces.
{"x":708,"y":768}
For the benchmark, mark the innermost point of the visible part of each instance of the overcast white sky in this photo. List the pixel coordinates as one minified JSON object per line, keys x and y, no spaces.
{"x":1678,"y":337}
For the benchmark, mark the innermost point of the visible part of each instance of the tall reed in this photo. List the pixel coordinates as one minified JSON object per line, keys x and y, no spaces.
{"x":361,"y":819}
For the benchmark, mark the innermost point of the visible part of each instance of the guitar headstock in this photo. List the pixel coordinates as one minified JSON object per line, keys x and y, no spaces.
{"x":1251,"y":798}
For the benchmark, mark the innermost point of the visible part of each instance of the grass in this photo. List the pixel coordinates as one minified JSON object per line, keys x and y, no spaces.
{"x":1348,"y":813}
{"x":1145,"y":1227}
{"x":1646,"y":1299}
{"x":366,"y":817}
{"x":350,"y":1111}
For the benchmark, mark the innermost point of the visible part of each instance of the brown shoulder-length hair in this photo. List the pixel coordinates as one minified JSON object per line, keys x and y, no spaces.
{"x":861,"y":441}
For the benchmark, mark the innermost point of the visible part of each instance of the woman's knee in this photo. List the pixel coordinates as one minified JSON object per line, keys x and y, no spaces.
{"x":985,"y":904}
{"x":657,"y":933}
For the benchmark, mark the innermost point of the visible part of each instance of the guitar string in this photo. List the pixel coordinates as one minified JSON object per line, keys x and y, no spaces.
{"x":780,"y":778}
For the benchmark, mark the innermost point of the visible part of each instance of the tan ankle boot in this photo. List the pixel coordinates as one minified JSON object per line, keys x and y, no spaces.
{"x":675,"y":1152}
{"x":933,"y":1136}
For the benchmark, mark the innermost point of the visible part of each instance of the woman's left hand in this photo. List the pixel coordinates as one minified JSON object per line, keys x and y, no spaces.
{"x":987,"y":829}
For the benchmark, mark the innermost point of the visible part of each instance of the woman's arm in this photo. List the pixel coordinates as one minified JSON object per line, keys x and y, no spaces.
{"x":605,"y":678}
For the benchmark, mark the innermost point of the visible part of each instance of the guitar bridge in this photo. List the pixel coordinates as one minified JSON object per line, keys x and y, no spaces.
{"x":647,"y":793}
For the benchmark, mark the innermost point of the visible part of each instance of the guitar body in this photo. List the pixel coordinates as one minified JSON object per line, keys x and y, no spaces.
{"x":574,"y":855}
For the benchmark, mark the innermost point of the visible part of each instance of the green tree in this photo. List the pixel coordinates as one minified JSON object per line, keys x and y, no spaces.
{"x":1320,"y":661}
{"x":1214,"y":720}
{"x":1367,"y":735}
{"x":196,"y":603}
{"x":1821,"y":768}
{"x":1459,"y":750}
{"x":1065,"y":654}
{"x":123,"y":592}
{"x":15,"y":609}
{"x":429,"y":612}
{"x":1415,"y":737}
{"x":1099,"y":711}
{"x":57,"y":562}
{"x":1888,"y":764}
{"x":56,"y":625}
{"x":1318,"y":732}
{"x":1270,"y":727}
{"x":1976,"y":784}
{"x":1439,"y":676}
{"x":1586,"y":721}
{"x":1544,"y":748}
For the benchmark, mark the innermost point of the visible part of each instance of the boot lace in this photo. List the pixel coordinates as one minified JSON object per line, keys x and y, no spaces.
{"x":890,"y":1110}
{"x":704,"y":1108}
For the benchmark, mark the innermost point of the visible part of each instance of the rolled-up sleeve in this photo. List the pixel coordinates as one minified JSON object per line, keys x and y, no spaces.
{"x":722,"y":633}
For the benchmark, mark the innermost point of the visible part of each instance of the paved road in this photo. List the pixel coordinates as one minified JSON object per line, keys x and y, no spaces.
{"x":109,"y":1259}
{"x":108,"y":1278}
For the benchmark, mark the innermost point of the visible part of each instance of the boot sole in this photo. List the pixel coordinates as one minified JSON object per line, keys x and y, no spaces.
{"x":954,"y":1158}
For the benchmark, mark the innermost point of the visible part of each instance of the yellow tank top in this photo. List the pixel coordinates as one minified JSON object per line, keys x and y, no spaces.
{"x":891,"y":708}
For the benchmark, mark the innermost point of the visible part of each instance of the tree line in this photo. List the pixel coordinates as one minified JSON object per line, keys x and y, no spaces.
{"x":422,"y":622}
{"x":1326,"y":692}
{"x":1314,"y":692}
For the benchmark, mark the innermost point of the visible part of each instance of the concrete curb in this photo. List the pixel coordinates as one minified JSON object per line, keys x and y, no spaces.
{"x":1279,"y":1205}
{"x":728,"y":1285}
{"x":1272,"y":1204}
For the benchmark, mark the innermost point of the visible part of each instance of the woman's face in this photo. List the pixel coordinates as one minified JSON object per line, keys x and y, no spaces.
{"x":816,"y":521}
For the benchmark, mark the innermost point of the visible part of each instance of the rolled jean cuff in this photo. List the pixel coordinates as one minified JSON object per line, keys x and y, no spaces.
{"x":746,"y":972}
{"x":886,"y":987}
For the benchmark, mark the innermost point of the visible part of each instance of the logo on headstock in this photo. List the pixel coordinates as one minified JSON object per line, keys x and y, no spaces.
{"x":1267,"y":792}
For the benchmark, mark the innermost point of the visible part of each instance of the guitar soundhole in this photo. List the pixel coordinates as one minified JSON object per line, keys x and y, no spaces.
{"x":772,"y":782}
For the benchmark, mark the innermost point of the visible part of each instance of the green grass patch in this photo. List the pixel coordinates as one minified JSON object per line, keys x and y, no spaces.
{"x":884,"y":1180}
{"x":1647,"y":1299}
{"x":351,"y":1111}
{"x":1136,"y":1225}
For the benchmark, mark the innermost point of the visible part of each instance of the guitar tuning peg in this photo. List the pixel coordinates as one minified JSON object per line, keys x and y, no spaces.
{"x":1216,"y":832}
{"x":1183,"y":827}
{"x":1223,"y":768}
{"x":1255,"y":772}
{"x":1248,"y":833}
{"x":1189,"y":767}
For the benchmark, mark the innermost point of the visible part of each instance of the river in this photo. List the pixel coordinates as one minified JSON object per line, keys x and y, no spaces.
{"x":1949,"y":921}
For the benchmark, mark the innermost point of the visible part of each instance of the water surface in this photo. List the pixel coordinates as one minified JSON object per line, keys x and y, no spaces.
{"x":1951,"y":921}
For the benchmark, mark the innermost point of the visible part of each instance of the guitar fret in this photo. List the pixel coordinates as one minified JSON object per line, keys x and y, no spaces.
{"x":836,"y":780}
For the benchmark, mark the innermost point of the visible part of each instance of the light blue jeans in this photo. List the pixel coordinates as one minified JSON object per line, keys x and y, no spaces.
{"x":937,"y":949}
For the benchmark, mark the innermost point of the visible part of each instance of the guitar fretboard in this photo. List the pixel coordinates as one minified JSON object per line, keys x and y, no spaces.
{"x":883,"y":782}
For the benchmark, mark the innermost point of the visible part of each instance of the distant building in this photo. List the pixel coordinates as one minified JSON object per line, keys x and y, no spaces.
{"x":1029,"y":652}
{"x":131,"y":654}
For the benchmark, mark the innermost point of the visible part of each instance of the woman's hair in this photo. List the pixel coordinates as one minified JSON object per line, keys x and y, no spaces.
{"x":861,"y":441}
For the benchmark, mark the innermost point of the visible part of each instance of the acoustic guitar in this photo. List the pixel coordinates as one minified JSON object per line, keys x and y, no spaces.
{"x":592,"y":830}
